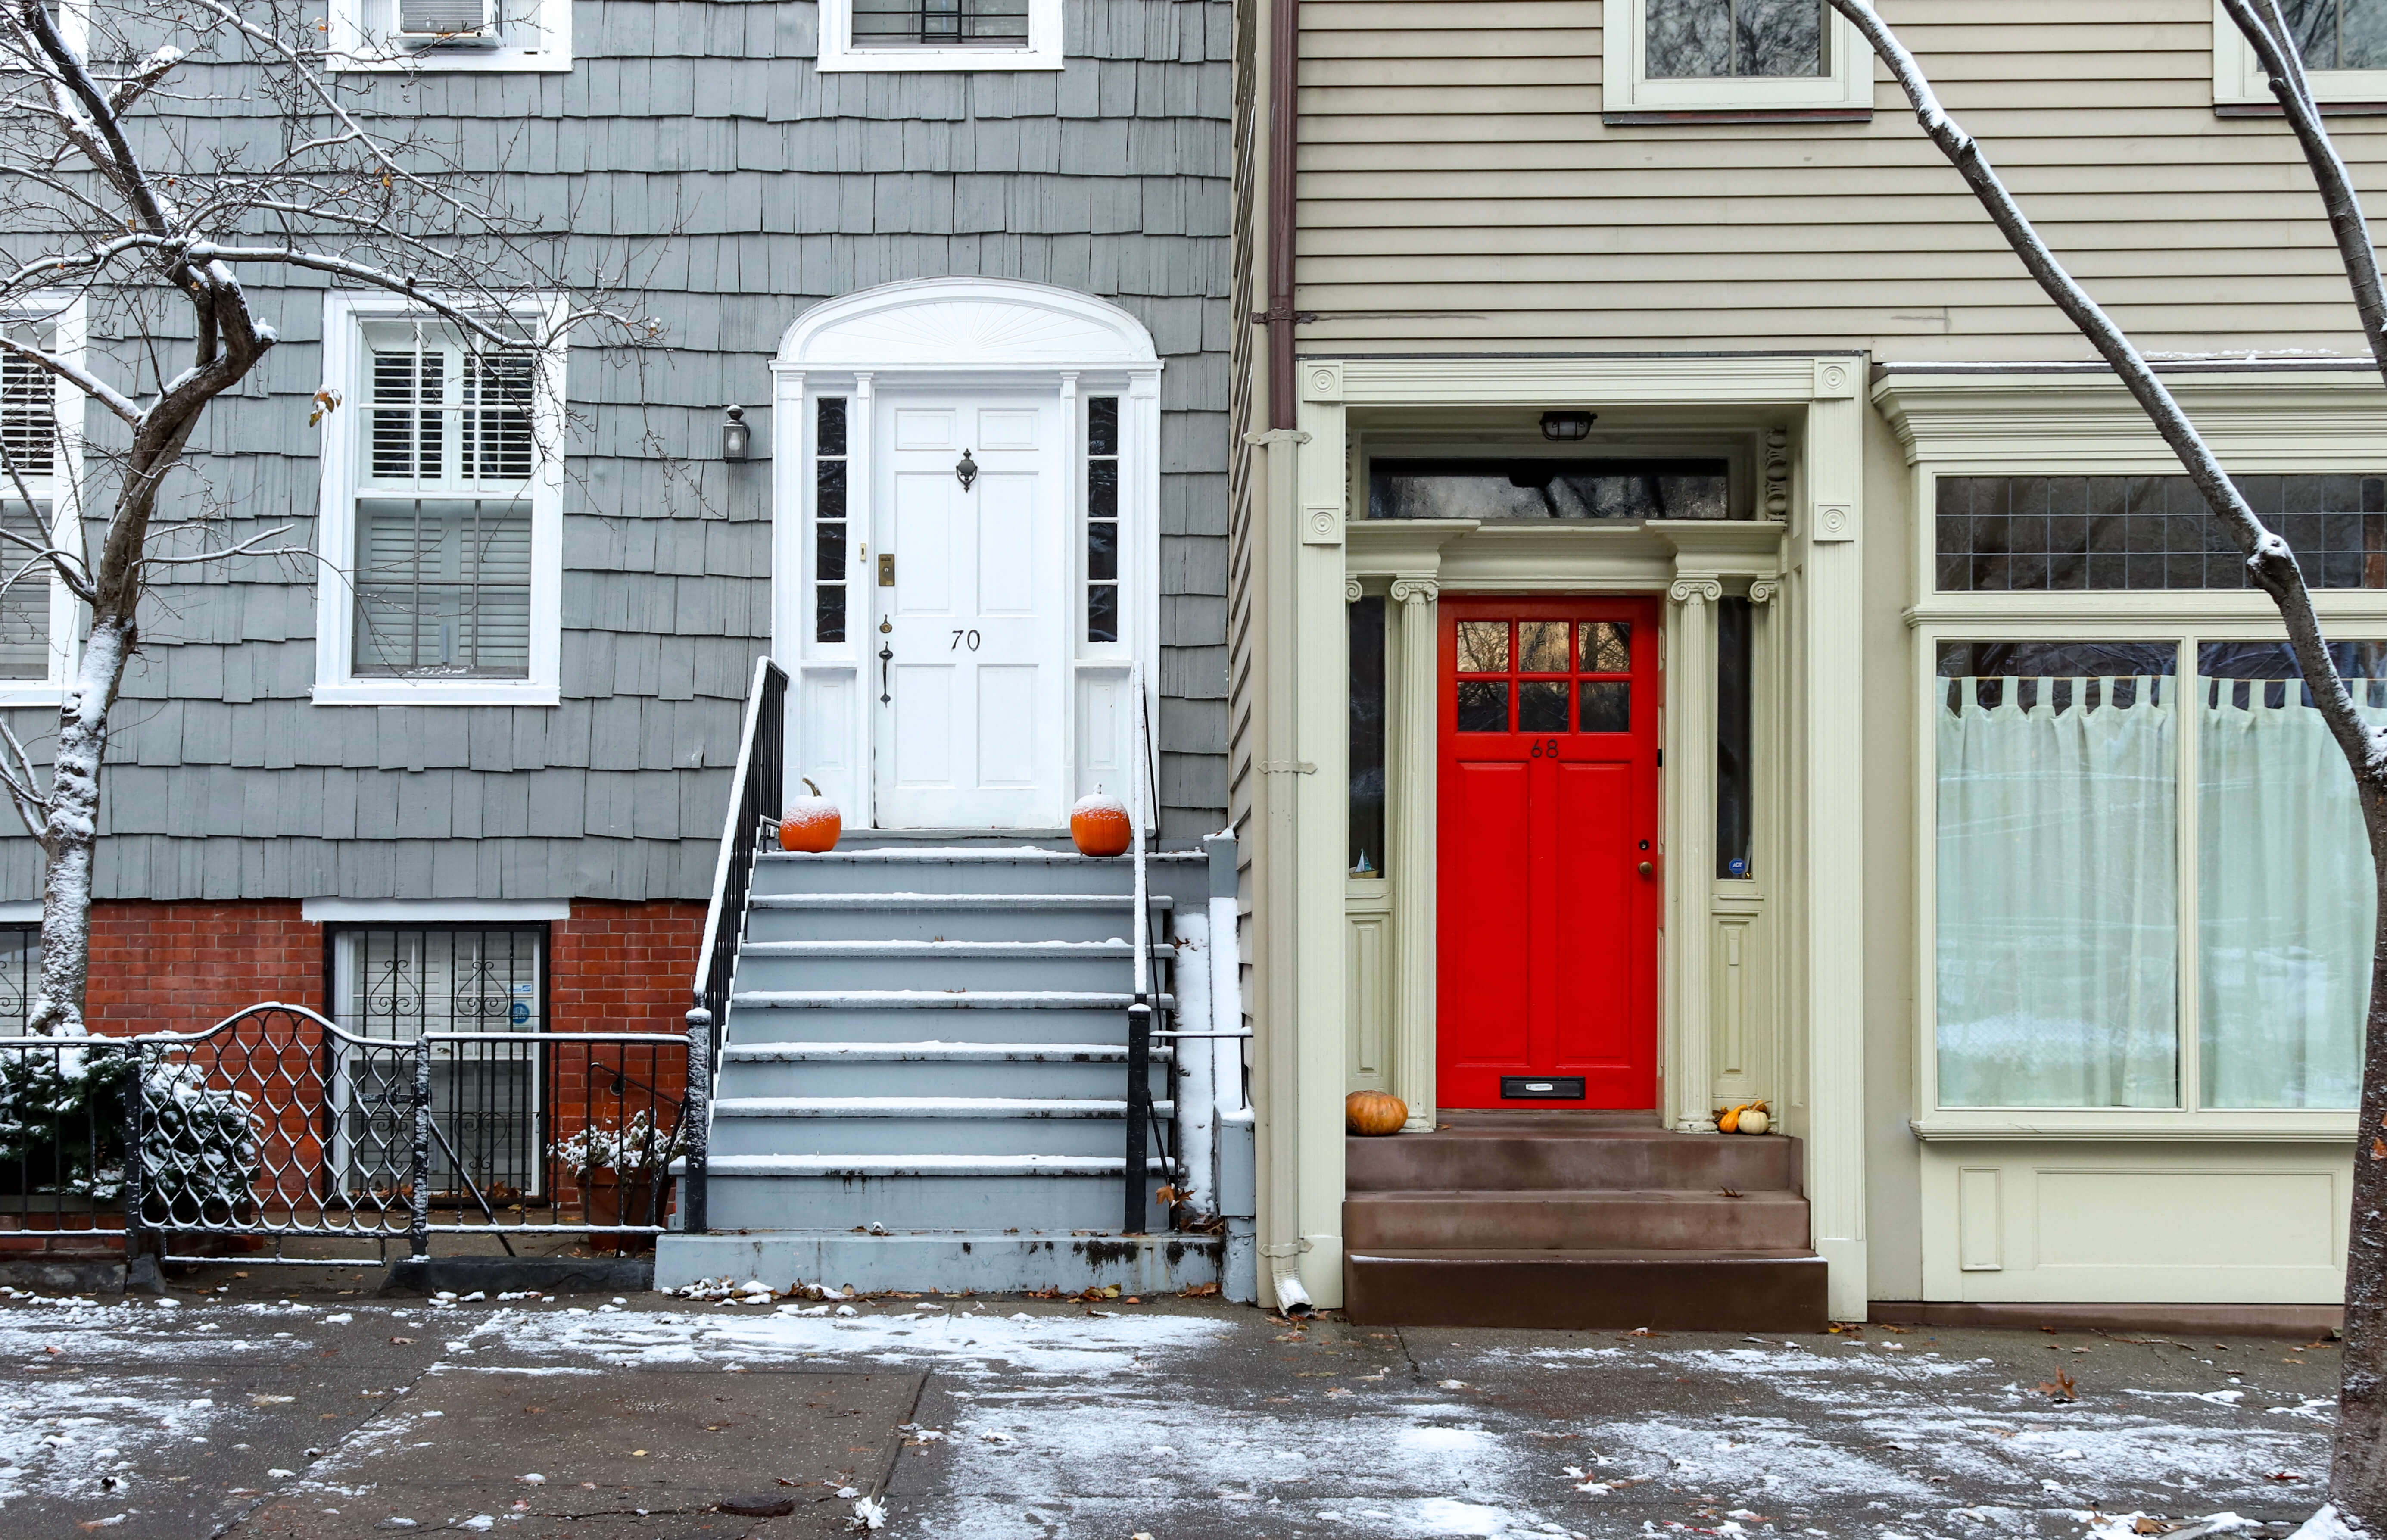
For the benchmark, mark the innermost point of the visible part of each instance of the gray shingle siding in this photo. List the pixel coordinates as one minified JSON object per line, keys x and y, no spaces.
{"x":761,"y":187}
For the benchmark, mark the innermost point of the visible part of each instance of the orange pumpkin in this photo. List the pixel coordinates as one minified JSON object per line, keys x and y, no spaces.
{"x":1099,"y":825}
{"x":1375,"y":1112}
{"x":812,"y":823}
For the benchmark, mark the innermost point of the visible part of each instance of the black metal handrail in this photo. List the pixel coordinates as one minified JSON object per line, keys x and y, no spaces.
{"x":1139,"y":1015}
{"x":753,"y":818}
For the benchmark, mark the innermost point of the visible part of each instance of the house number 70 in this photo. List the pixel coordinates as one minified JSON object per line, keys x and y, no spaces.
{"x":960,"y":637}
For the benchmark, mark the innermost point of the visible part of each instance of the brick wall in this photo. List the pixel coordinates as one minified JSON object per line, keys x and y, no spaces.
{"x":614,"y":967}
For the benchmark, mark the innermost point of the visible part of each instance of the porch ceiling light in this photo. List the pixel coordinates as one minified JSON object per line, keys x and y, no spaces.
{"x":1567,"y":426}
{"x":736,"y":437}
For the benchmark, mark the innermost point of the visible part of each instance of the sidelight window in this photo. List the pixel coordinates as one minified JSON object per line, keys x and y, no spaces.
{"x":829,"y":522}
{"x":1101,"y":519}
{"x":1367,"y":853}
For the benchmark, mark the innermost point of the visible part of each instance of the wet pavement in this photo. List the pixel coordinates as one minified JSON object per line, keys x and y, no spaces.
{"x":286,"y":1408}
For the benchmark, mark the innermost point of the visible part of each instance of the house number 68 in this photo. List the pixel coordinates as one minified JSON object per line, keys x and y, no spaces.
{"x":1546,"y":748}
{"x":960,"y":637}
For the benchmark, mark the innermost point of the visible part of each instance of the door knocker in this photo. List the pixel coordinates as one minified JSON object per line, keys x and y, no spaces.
{"x":965,"y":471}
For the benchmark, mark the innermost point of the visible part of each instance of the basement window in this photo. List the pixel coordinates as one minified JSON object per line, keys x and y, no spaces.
{"x":20,"y":976}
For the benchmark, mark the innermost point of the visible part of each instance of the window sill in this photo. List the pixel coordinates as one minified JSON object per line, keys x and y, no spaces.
{"x":31,"y":692}
{"x":446,"y":61}
{"x":2106,"y":1126}
{"x":2273,"y":109}
{"x":436,"y":692}
{"x":1653,"y":117}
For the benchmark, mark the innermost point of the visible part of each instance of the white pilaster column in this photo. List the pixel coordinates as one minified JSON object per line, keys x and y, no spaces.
{"x":1416,"y":799}
{"x":1831,"y":615}
{"x":1690,"y":852}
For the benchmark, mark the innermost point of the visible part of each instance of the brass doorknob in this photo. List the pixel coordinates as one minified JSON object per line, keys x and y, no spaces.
{"x":1647,"y":868}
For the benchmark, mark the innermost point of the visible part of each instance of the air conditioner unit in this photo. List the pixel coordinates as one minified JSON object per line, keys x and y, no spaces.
{"x":450,"y":23}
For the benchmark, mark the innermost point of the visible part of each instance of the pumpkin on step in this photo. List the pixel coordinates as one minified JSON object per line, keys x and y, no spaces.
{"x":1099,"y":825}
{"x":812,"y":823}
{"x":1375,"y":1112}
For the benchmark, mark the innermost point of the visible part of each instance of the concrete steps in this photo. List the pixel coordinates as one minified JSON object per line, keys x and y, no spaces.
{"x":1566,"y":1220}
{"x":926,"y":1037}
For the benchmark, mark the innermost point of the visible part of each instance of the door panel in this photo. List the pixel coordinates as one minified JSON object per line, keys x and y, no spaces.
{"x":1546,"y":920}
{"x":972,"y":733}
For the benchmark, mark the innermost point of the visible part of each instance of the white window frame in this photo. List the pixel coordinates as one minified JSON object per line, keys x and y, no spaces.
{"x":2074,"y":420}
{"x":344,"y":457}
{"x":353,"y":49}
{"x":1628,"y":90}
{"x":839,"y":53}
{"x":2239,"y":81}
{"x":63,"y":487}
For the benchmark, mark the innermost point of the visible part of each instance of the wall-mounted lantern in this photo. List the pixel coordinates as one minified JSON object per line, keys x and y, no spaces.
{"x":736,"y":438}
{"x":1566,"y":427}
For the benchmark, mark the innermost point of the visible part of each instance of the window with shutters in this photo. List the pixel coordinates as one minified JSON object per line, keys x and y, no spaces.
{"x":2342,"y":44}
{"x":445,"y":516}
{"x":451,"y":34}
{"x":939,"y":34}
{"x":37,"y":615}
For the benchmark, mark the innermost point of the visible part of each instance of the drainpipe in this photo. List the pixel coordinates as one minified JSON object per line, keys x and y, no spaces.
{"x":1284,"y":134}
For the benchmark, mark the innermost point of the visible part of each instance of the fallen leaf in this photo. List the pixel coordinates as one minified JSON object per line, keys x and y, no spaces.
{"x":2061,"y":1388}
{"x":1199,"y":1291}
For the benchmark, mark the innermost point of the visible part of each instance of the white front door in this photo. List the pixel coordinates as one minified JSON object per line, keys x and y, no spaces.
{"x":965,"y":570}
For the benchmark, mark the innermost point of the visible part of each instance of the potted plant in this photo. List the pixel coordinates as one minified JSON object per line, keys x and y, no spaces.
{"x":620,"y":1173}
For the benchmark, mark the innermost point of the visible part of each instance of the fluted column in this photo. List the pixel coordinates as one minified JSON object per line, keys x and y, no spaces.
{"x":1415,"y":798}
{"x":1690,"y":854}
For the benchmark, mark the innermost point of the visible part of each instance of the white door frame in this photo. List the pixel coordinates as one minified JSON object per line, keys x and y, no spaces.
{"x":960,"y":334}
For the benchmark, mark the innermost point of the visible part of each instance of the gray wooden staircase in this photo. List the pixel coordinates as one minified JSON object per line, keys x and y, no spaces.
{"x":923,"y":1080}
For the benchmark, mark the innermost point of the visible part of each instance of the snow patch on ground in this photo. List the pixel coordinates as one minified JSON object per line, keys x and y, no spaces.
{"x":76,"y":1436}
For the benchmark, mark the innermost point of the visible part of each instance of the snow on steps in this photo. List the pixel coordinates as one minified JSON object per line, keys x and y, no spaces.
{"x":930,"y":1039}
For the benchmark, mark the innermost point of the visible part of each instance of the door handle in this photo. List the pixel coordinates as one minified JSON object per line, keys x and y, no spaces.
{"x":1647,"y":869}
{"x":886,"y":654}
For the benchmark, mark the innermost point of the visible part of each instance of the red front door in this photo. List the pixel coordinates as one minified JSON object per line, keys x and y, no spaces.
{"x":1550,"y":868}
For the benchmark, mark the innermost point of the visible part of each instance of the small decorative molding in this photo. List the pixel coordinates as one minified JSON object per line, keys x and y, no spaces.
{"x":1762,"y":590}
{"x":1352,"y":592}
{"x":1689,"y":590}
{"x":1322,"y":382}
{"x":1321,"y":524}
{"x":1416,"y":590}
{"x":1777,"y":474}
{"x":1834,"y":521}
{"x":1836,"y":379}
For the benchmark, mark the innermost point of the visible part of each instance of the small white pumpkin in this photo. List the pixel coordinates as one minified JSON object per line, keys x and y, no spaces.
{"x":1754,"y":1120}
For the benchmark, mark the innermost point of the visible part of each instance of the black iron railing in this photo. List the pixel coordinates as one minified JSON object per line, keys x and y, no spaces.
{"x":753,"y":822}
{"x":1139,"y":1013}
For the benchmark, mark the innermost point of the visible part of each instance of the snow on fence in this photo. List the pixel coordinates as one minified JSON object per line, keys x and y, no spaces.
{"x":277,"y":1124}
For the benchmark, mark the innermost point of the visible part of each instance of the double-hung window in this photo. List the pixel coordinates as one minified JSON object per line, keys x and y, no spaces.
{"x":37,"y":471}
{"x":441,"y":511}
{"x":2150,"y":892}
{"x":939,"y":34}
{"x":2342,"y":44}
{"x":1684,"y":60}
{"x":418,"y":35}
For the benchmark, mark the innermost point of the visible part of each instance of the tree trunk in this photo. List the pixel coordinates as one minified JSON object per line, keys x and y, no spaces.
{"x":69,"y":835}
{"x":2357,"y":1474}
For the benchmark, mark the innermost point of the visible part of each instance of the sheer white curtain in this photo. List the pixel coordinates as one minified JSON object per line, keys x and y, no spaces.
{"x":2284,"y":901}
{"x":2058,"y":924}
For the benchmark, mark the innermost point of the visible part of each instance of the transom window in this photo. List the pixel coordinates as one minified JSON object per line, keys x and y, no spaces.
{"x":1568,"y":489}
{"x":2043,"y":534}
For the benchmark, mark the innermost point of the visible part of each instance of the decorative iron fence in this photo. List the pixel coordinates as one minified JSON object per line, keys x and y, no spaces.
{"x":277,"y":1124}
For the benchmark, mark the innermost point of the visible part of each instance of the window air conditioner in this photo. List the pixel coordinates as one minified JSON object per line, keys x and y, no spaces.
{"x":452,"y":23}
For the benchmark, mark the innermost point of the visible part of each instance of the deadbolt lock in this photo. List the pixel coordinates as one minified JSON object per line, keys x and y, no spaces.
{"x":886,"y":569}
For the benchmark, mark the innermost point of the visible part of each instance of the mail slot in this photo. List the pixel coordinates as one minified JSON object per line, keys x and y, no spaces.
{"x":1541,"y":1088}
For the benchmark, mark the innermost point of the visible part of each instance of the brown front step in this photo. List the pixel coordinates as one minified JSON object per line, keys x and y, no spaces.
{"x":1663,"y":1219}
{"x":1695,"y":1290}
{"x":1590,"y":1155}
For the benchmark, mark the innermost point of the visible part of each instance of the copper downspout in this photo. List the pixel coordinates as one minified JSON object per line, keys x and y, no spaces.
{"x":1284,"y":44}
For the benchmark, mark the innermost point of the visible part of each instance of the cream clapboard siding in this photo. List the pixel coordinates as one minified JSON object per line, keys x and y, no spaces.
{"x":1459,"y":191}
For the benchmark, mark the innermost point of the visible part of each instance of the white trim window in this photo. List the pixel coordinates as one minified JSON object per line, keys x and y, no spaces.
{"x":1676,"y":60}
{"x":2343,"y":43}
{"x":441,"y":518}
{"x":489,"y":35}
{"x":40,"y":432}
{"x":939,"y":34}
